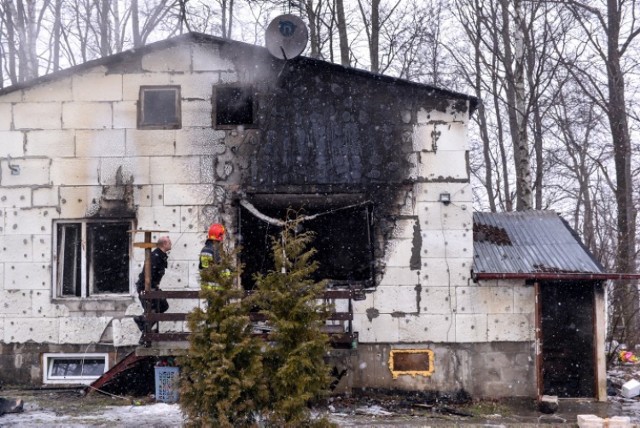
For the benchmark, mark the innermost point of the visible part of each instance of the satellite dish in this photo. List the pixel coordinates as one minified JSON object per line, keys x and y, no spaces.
{"x":286,"y":36}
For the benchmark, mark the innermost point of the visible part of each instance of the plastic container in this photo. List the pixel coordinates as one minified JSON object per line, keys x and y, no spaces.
{"x":167,"y":384}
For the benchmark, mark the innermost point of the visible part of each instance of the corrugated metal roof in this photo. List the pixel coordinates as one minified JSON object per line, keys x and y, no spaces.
{"x":528,"y":242}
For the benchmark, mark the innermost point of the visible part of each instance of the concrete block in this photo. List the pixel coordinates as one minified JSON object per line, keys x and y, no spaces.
{"x":196,"y":113}
{"x":484,"y":300}
{"x":189,"y":219}
{"x":438,"y":300}
{"x":631,"y":389}
{"x":98,"y":143}
{"x":398,"y":276}
{"x":97,"y":87}
{"x":405,"y":228}
{"x":548,"y":404}
{"x":173,"y":59}
{"x":619,"y":421}
{"x":131,"y":83}
{"x":15,"y":197}
{"x":422,"y":137}
{"x":143,"y":195}
{"x":42,"y":249}
{"x":590,"y":421}
{"x":383,"y":328}
{"x":79,"y":201}
{"x":87,"y":115}
{"x":16,"y":248}
{"x":12,"y":97}
{"x":150,"y":142}
{"x":207,"y":58}
{"x":130,"y":168}
{"x":200,"y":141}
{"x":45,"y":196}
{"x":176,"y":276}
{"x":12,"y":143}
{"x":471,"y":328}
{"x":6,"y":117}
{"x":399,"y":252}
{"x":510,"y":327}
{"x":437,"y":216}
{"x":125,"y":332}
{"x":75,"y":171}
{"x":26,"y":276}
{"x":436,"y":272}
{"x":447,"y":243}
{"x":50,"y":143}
{"x":189,"y":194}
{"x":523,"y":298}
{"x":398,"y":298}
{"x":159,"y":218}
{"x":443,"y":165}
{"x":174,"y":170}
{"x":15,"y":303}
{"x":24,"y":221}
{"x":426,"y":328}
{"x":57,"y":90}
{"x":33,"y":172}
{"x":186,"y":247}
{"x":125,"y":114}
{"x":197,"y":85}
{"x":451,"y":136}
{"x":37,"y":115}
{"x":82,"y":329}
{"x":39,"y":330}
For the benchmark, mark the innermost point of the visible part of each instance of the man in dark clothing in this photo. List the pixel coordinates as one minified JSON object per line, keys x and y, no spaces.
{"x":159,"y":258}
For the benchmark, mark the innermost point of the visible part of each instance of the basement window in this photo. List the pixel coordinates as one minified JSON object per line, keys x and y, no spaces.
{"x":233,"y":107}
{"x":73,"y":368}
{"x":343,"y":229}
{"x":159,"y":107}
{"x":92,"y":257}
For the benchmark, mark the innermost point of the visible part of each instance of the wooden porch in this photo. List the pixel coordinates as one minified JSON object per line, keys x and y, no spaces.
{"x":156,"y":342}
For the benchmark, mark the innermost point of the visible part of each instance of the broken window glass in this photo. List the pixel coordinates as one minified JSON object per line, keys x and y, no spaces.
{"x":342,"y":239}
{"x":99,"y":267}
{"x":159,"y":107}
{"x":233,"y":106}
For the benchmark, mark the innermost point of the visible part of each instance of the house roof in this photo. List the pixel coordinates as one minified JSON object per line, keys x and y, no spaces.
{"x":530,"y":245}
{"x":205,"y":38}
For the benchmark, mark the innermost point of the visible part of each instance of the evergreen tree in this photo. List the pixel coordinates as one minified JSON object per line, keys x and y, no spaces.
{"x":222,"y":379}
{"x":293,"y":361}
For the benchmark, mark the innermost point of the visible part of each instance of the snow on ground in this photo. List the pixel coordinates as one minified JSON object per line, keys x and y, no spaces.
{"x":156,"y":415}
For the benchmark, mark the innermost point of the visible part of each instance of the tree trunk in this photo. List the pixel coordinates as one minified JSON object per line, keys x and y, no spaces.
{"x":342,"y":33}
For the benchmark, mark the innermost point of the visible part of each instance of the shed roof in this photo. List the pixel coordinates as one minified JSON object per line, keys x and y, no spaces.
{"x":530,"y":244}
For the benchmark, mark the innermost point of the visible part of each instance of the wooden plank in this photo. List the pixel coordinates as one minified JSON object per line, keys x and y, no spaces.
{"x":182,"y":294}
{"x":165,"y":317}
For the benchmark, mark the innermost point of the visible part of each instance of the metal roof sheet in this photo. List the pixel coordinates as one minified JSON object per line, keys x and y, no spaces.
{"x":528,"y":242}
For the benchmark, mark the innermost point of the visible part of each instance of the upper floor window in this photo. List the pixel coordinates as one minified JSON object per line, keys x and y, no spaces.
{"x":234,"y":106}
{"x":159,"y":107}
{"x":92,"y":257}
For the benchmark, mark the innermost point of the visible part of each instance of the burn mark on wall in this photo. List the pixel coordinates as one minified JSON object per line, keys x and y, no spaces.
{"x":372,"y":313}
{"x":117,"y":200}
{"x":416,"y":248}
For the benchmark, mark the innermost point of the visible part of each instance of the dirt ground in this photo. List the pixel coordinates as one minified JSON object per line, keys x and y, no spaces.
{"x":68,"y":408}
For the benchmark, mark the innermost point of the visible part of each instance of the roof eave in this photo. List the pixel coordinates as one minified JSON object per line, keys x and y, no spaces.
{"x":577,"y":276}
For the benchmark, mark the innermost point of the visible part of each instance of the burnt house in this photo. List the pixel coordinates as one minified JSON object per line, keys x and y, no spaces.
{"x":192,"y":130}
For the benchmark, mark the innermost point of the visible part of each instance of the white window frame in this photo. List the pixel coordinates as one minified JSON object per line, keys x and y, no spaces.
{"x":48,"y":362}
{"x":57,"y":280}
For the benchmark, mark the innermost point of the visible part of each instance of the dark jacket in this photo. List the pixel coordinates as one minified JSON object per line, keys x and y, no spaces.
{"x":158,"y":266}
{"x":210,"y":253}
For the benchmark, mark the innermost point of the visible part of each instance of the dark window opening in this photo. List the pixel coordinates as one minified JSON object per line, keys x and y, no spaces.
{"x":342,"y":240}
{"x":233,"y":106}
{"x":159,"y":107}
{"x":99,"y":267}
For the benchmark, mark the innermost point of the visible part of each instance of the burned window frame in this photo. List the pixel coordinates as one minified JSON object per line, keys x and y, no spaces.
{"x":145,"y":119}
{"x":82,"y":267}
{"x":216,"y":98}
{"x":318,"y":207}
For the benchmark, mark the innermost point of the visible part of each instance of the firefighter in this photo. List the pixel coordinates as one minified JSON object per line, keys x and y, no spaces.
{"x":211,"y":253}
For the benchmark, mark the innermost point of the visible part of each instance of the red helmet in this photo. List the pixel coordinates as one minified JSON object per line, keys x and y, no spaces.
{"x":216,"y":232}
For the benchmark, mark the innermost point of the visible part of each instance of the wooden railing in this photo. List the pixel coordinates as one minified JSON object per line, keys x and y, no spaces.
{"x":340,"y":335}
